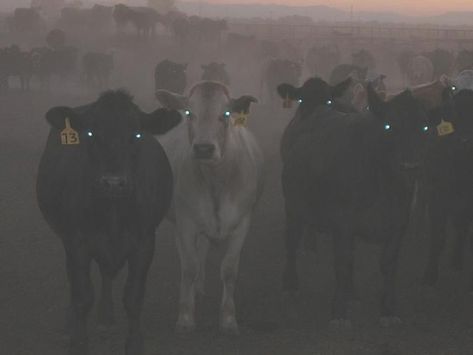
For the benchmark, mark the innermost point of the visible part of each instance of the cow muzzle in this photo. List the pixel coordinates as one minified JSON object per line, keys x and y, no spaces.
{"x":204,"y":151}
{"x":114,"y":185}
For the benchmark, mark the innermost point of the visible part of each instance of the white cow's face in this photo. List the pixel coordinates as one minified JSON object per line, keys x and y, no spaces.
{"x":208,"y":116}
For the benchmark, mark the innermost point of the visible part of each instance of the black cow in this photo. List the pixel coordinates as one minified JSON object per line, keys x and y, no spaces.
{"x":215,"y":72}
{"x":350,"y":175}
{"x":97,"y":69}
{"x":104,"y":186}
{"x":144,"y":19}
{"x":15,"y":63}
{"x":278,"y":71}
{"x":447,"y":184}
{"x":170,"y":76}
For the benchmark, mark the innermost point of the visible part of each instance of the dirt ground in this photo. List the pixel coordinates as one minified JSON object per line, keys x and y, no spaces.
{"x":34,"y":291}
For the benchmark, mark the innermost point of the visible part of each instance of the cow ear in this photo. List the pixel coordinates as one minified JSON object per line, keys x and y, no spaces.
{"x":243,"y":103}
{"x":56,"y":117}
{"x":375,"y":103}
{"x":160,"y":121}
{"x":171,"y":100}
{"x":339,"y":89}
{"x":288,"y":91}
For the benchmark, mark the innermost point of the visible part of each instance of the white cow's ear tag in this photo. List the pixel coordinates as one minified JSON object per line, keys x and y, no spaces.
{"x":445,"y":128}
{"x":287,"y":103}
{"x":69,"y":136}
{"x":240,"y":119}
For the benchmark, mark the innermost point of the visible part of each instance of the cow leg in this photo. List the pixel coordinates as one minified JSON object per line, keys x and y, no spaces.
{"x":138,"y":266}
{"x":438,"y":223}
{"x":105,"y":314}
{"x":186,"y":245}
{"x":294,"y":232}
{"x":202,"y":250}
{"x":389,"y":264}
{"x":82,"y":298}
{"x":460,"y":226}
{"x":229,"y":274}
{"x":343,"y":244}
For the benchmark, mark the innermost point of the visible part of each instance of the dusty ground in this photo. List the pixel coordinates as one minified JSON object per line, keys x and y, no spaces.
{"x":33,"y":286}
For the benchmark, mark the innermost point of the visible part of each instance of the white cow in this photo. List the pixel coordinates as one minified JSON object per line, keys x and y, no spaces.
{"x":217,"y":167}
{"x":420,"y":70}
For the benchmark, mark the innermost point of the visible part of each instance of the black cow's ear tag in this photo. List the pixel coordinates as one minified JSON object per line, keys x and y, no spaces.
{"x":445,"y":128}
{"x":240,"y":119}
{"x":287,"y":103}
{"x":69,"y":136}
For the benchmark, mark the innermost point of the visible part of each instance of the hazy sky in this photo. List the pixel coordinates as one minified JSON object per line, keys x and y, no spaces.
{"x":405,"y":6}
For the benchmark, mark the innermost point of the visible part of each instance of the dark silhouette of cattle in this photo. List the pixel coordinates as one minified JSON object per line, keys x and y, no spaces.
{"x":15,"y":63}
{"x":364,"y":59}
{"x":464,"y":60}
{"x":343,"y":71}
{"x":25,"y":20}
{"x":442,"y":60}
{"x":170,"y":76}
{"x":97,"y":69}
{"x":97,"y":18}
{"x":320,"y":61}
{"x":196,"y":28}
{"x":403,"y":60}
{"x":351,"y":175}
{"x":56,"y":38}
{"x":103,"y":186}
{"x":215,"y":72}
{"x":143,"y":19}
{"x":278,"y":71}
{"x":446,"y":183}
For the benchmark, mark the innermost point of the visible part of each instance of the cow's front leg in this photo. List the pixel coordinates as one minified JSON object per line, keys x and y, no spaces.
{"x":186,"y":245}
{"x":229,"y":273}
{"x":138,"y":266}
{"x":105,"y":312}
{"x":82,"y":298}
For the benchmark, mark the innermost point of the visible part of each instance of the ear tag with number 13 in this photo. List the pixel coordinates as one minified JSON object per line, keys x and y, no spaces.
{"x":69,"y":136}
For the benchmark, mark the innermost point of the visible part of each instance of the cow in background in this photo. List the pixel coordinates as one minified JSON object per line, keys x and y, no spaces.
{"x":170,"y":76}
{"x":217,"y":167}
{"x":215,"y":72}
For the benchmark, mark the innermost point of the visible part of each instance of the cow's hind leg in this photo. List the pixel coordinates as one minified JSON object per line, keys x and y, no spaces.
{"x":82,"y":298}
{"x":138,"y":266}
{"x":186,"y":245}
{"x":229,"y":274}
{"x":105,"y":314}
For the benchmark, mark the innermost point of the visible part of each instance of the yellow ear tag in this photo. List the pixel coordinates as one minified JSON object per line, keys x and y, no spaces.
{"x":287,"y":103}
{"x":69,"y":136}
{"x":240,"y":119}
{"x":445,"y":128}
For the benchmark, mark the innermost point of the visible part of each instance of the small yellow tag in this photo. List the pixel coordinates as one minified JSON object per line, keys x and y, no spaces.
{"x":240,"y":119}
{"x":287,"y":103}
{"x":69,"y":136}
{"x":445,"y":128}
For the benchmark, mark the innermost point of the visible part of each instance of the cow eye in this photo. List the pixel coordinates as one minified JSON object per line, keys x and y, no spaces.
{"x":387,"y":127}
{"x":188,"y":113}
{"x":329,"y":102}
{"x":90,"y":133}
{"x":138,"y":135}
{"x":425,"y":129}
{"x":299,"y":101}
{"x":454,"y":88}
{"x":227,"y":114}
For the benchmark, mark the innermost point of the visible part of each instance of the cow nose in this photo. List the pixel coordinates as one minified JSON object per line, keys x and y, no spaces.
{"x":204,"y":150}
{"x":113,"y":183}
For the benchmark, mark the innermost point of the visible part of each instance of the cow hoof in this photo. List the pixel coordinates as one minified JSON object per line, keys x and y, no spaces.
{"x":135,"y":345}
{"x":390,"y":322}
{"x":230,"y":329}
{"x":340,"y":324}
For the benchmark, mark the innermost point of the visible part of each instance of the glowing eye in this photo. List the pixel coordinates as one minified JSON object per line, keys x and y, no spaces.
{"x":454,"y":88}
{"x":90,"y":134}
{"x":425,"y":128}
{"x":329,"y":102}
{"x":299,"y":101}
{"x":387,"y":127}
{"x":138,"y":135}
{"x":187,"y":112}
{"x":227,"y":114}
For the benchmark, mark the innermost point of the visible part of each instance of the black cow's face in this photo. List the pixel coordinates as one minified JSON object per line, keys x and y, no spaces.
{"x":404,"y":126}
{"x":112,"y":132}
{"x":314,"y":93}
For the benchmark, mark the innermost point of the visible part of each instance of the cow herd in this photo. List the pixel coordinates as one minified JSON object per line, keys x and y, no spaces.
{"x":360,"y":160}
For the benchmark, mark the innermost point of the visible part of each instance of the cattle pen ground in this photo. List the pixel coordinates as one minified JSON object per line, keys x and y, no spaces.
{"x":34,"y":292}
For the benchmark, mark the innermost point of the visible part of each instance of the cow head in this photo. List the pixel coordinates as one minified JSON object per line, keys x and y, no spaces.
{"x":404,"y":127}
{"x":208,"y":110}
{"x":314,"y":93}
{"x":111,"y":133}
